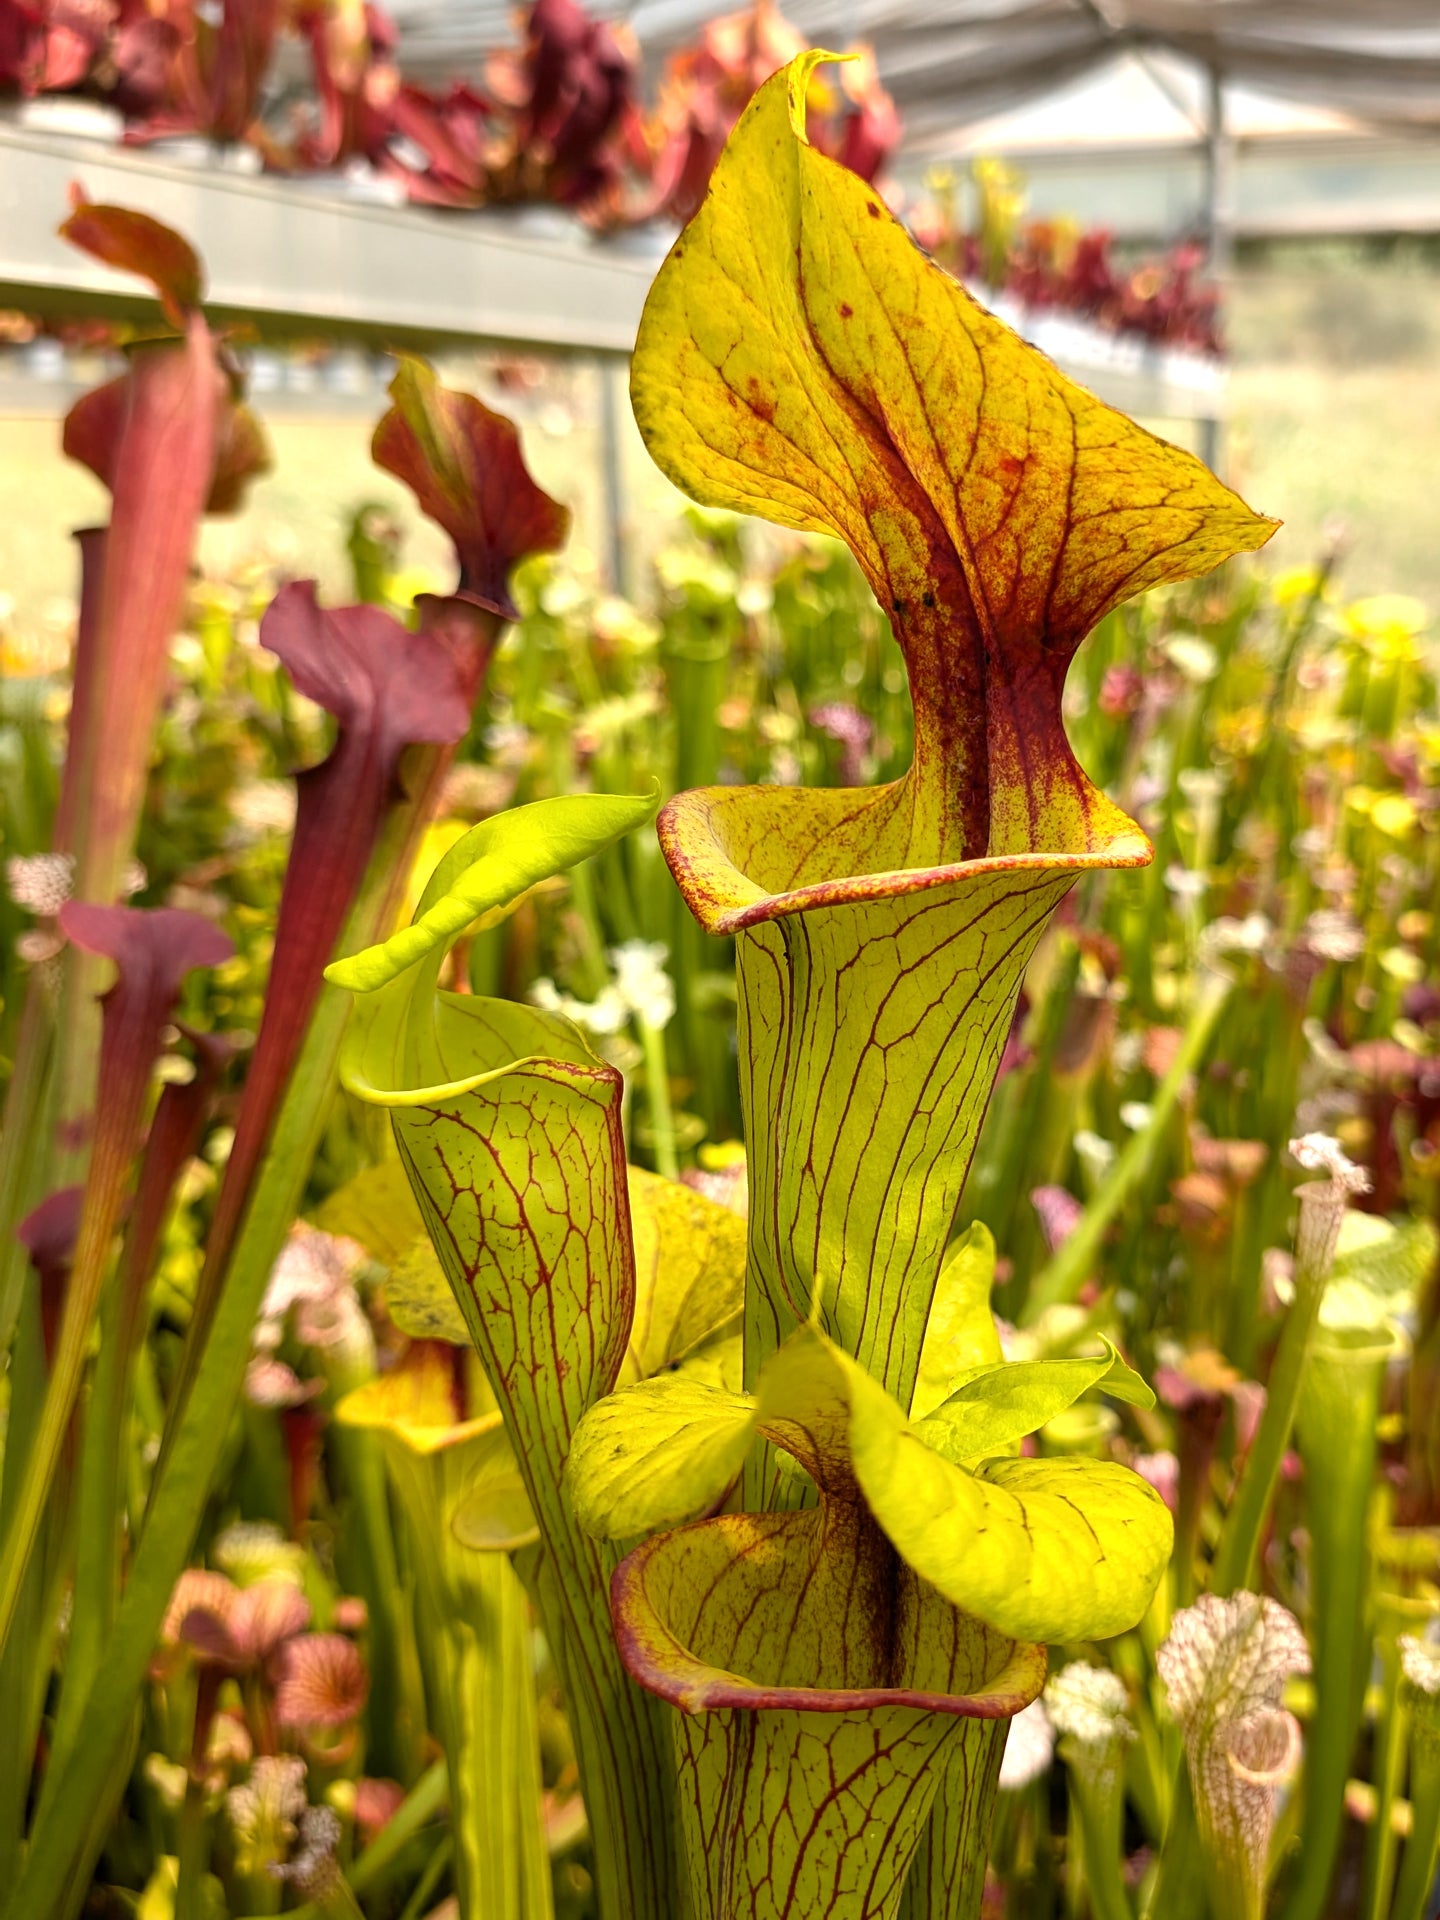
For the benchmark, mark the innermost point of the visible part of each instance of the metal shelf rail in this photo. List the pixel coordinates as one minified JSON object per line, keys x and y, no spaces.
{"x":308,"y":257}
{"x":300,"y":256}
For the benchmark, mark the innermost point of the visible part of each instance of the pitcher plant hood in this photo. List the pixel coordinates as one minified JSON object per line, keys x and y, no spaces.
{"x":801,"y":359}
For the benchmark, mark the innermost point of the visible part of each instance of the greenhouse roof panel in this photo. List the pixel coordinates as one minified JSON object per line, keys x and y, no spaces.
{"x":961,"y":59}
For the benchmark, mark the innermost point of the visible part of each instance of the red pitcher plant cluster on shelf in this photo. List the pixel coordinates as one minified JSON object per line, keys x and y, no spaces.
{"x":558,"y":120}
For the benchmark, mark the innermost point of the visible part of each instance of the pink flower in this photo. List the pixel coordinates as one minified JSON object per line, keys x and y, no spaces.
{"x":323,"y":1682}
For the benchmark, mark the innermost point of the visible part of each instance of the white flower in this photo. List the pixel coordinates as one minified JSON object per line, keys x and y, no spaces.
{"x":308,"y":1269}
{"x":603,"y":1016}
{"x":1420,"y":1691}
{"x":314,"y":1870}
{"x":642,"y":982}
{"x":1331,"y":934}
{"x":1185,"y":882}
{"x":311,"y":1278}
{"x":1087,"y":1708}
{"x":1420,"y":1663}
{"x":260,"y":807}
{"x":1087,"y":1705}
{"x":40,"y":882}
{"x":264,"y":1812}
{"x":1322,"y":1153}
{"x":1228,"y":935}
{"x":1029,"y":1747}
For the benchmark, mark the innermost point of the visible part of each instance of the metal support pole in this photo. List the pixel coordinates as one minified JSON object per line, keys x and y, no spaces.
{"x":1219,"y":230}
{"x":612,"y":478}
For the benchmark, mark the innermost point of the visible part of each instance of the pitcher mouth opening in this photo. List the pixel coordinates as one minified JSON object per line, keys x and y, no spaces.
{"x":659,"y":1660}
{"x":714,"y":843}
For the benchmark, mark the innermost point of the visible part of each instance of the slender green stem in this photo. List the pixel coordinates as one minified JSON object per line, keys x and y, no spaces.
{"x":419,"y":1901}
{"x":25,"y":1666}
{"x":24,"y":1141}
{"x":77,"y":1053}
{"x":425,"y":1799}
{"x":194,"y":1854}
{"x":1338,"y":1415}
{"x":475,"y":1627}
{"x":1177,"y":1890}
{"x":995,"y":1180}
{"x":591,"y":937}
{"x":1099,"y":1808}
{"x":657,"y":1090}
{"x":338,"y":1901}
{"x":99,"y":1497}
{"x":1390,"y":1742}
{"x":1072,"y":1265}
{"x":1321,"y":1210}
{"x":88,"y":1775}
{"x":496,"y":1821}
{"x":103,"y":1196}
{"x":397,"y":1703}
{"x":1422,"y":1849}
{"x":89,"y":1772}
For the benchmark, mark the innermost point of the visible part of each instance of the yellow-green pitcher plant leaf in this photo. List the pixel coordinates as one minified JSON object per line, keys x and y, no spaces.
{"x":799,"y":358}
{"x":998,"y":1405}
{"x":871,"y":1033}
{"x":689,"y":1275}
{"x":509,"y":1128}
{"x":1337,"y":1436}
{"x":1380,"y":1267}
{"x":419,"y":1300}
{"x":452,"y":1478}
{"x":839,"y":1643}
{"x":822,"y":1691}
{"x":689,"y":1272}
{"x":656,"y":1452}
{"x":490,"y":870}
{"x":960,"y":1332}
{"x":1046,"y":1550}
{"x":377,"y":1208}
